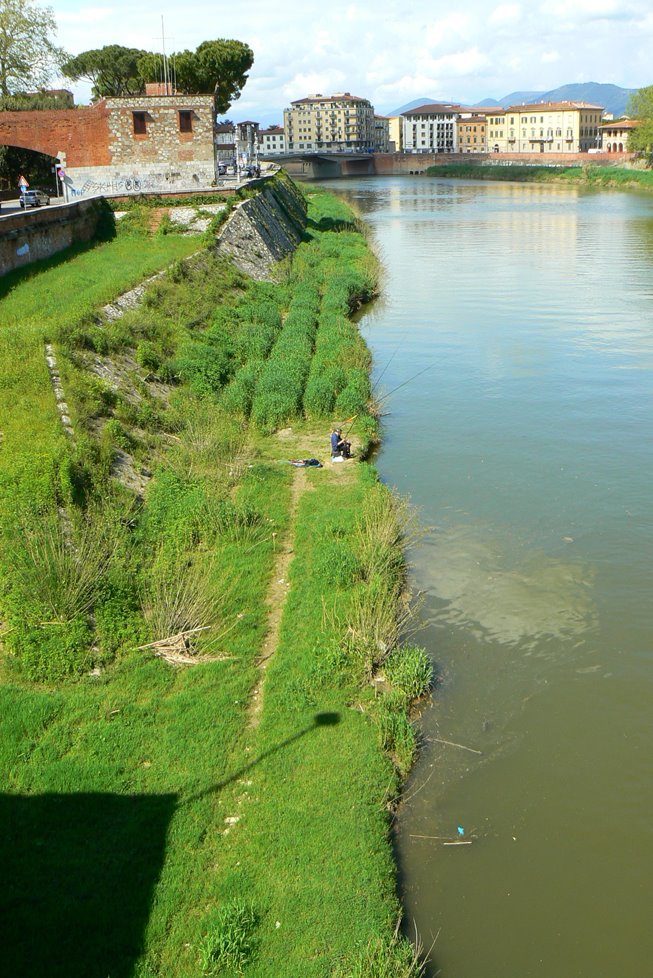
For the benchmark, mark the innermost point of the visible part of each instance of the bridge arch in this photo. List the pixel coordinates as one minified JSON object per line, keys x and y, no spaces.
{"x":82,"y":133}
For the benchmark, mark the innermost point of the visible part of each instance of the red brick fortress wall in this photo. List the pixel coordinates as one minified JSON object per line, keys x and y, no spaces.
{"x":82,"y":134}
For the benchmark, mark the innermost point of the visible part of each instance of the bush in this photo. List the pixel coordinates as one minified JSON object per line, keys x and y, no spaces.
{"x":409,"y":670}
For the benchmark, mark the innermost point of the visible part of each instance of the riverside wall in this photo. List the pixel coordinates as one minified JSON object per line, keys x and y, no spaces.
{"x":389,"y":164}
{"x":41,"y":233}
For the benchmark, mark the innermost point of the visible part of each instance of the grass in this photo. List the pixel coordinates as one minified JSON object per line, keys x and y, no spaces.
{"x":588,"y":175}
{"x":222,"y":837}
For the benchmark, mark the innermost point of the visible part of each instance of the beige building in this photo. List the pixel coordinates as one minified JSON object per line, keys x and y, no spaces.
{"x":332,"y":123}
{"x":614,"y":135}
{"x":395,"y":134}
{"x":472,"y":134}
{"x":431,"y":128}
{"x":544,"y":127}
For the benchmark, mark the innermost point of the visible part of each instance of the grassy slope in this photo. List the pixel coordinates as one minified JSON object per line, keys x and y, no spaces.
{"x":587,"y":176}
{"x":309,"y":850}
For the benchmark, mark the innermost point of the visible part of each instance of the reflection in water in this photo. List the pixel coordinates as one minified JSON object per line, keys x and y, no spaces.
{"x":510,"y":603}
{"x":528,"y":444}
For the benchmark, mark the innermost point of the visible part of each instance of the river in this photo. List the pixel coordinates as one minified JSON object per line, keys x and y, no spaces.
{"x":527,"y":448}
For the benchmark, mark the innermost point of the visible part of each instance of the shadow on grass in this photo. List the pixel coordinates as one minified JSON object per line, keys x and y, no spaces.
{"x":18,"y":275}
{"x":319,"y":720}
{"x":78,"y":875}
{"x":331,"y":224}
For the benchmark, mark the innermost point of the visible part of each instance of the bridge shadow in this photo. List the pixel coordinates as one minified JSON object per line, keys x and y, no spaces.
{"x":79,"y":873}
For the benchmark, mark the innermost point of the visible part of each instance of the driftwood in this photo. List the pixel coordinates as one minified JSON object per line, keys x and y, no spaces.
{"x":178,"y":649}
{"x":450,"y":743}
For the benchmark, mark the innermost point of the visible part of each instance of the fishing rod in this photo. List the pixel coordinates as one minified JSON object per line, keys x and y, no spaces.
{"x":398,"y":388}
{"x":378,"y":379}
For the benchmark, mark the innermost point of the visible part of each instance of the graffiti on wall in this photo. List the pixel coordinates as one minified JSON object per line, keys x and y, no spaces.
{"x":136,"y":183}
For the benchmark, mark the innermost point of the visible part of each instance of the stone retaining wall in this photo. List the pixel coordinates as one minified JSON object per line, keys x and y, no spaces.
{"x":40,"y":233}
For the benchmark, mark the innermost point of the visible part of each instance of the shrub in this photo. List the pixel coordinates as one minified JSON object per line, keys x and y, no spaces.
{"x":409,"y":670}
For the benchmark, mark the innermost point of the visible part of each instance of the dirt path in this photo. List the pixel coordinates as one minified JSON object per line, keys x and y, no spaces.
{"x":291,"y":444}
{"x":277,"y":594}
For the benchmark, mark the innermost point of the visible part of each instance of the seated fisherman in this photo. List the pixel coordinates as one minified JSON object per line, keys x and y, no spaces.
{"x":339,"y":447}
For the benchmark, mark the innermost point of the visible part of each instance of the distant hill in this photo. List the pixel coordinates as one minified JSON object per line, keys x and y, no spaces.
{"x":423,"y":101}
{"x":612,"y":97}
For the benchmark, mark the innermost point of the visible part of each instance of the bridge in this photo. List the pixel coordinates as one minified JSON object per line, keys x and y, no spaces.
{"x":324,"y":166}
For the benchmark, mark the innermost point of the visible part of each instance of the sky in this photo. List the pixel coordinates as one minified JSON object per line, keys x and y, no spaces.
{"x":389,"y":51}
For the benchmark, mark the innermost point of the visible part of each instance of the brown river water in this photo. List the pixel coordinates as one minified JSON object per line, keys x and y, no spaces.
{"x":527,"y":446}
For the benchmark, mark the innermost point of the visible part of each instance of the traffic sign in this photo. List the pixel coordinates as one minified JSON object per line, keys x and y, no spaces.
{"x":22,"y":182}
{"x":61,"y":173}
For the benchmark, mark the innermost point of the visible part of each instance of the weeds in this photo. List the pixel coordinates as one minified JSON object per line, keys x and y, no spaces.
{"x":229,"y":942}
{"x":382,"y":958}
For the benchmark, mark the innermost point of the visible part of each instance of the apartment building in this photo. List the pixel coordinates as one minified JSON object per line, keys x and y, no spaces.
{"x":381,"y":134}
{"x":472,"y":134}
{"x":544,"y":127}
{"x":271,"y":141}
{"x":329,"y":123}
{"x":614,"y":135}
{"x":431,"y":128}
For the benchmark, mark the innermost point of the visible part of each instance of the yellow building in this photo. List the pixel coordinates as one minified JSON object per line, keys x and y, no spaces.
{"x":395,"y":134}
{"x":331,"y":123}
{"x":472,"y":134}
{"x":614,"y":135}
{"x":544,"y":127}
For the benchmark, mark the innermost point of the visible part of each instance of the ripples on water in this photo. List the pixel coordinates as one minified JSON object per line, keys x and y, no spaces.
{"x":528,"y":446}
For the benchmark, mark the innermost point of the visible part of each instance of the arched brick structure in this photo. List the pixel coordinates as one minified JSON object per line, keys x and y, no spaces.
{"x":124,"y":145}
{"x":82,"y":134}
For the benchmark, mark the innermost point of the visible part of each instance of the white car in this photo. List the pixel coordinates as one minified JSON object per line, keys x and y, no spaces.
{"x":34,"y":198}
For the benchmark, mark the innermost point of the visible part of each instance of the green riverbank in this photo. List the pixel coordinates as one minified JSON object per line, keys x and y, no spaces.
{"x":203,"y":697}
{"x":590,"y":175}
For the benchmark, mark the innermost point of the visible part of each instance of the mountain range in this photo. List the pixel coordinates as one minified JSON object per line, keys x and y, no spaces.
{"x":613,"y":98}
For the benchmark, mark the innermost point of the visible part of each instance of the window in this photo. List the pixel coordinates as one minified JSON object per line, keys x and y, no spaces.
{"x":185,"y":120}
{"x":140,"y":124}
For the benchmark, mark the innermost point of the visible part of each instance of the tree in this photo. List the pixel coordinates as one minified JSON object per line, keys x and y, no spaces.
{"x":640,"y":107}
{"x":217,"y":67}
{"x":28,"y":56}
{"x":112,"y":70}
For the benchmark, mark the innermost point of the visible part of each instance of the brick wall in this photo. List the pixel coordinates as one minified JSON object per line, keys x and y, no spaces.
{"x":82,"y":134}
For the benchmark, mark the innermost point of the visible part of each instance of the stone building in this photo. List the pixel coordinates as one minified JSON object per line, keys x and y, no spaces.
{"x":121,"y":145}
{"x":333,"y":123}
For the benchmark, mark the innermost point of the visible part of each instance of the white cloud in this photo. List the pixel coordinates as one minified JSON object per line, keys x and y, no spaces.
{"x":389,"y":52}
{"x":505,"y":13}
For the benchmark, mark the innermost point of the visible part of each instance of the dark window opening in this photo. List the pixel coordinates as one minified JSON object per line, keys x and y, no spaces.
{"x":140,"y":125}
{"x":185,"y":121}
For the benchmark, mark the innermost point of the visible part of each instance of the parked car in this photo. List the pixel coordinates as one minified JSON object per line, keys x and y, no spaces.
{"x":34,"y":198}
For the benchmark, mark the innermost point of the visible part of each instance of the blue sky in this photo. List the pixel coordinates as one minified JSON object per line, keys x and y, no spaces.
{"x":390,"y":52}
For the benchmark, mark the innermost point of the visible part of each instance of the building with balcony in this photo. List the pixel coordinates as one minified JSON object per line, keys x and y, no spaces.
{"x":472,"y":134}
{"x":544,"y":127}
{"x":332,"y":123}
{"x":431,"y":128}
{"x":381,"y":133}
{"x":614,"y":135}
